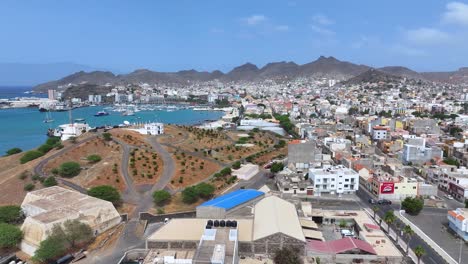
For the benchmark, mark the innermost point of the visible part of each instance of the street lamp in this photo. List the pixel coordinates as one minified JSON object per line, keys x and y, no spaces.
{"x":460,"y":251}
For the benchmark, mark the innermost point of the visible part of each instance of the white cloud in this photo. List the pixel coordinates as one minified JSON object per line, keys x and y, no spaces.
{"x":456,"y":13}
{"x":255,"y":19}
{"x":322,"y":20}
{"x":322,"y":31}
{"x":282,"y":28}
{"x":426,"y":36}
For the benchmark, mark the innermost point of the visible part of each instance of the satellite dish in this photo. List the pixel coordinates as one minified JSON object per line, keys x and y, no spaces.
{"x":126,"y":123}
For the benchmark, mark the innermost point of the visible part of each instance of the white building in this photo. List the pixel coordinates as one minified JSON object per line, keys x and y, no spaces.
{"x":150,"y":129}
{"x":68,"y":131}
{"x":334,"y":180}
{"x":380,"y":132}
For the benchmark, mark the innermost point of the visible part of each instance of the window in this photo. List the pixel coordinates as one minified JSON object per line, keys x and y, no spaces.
{"x":333,"y":179}
{"x":346,"y":180}
{"x":286,"y":189}
{"x":301,"y":189}
{"x":346,"y":185}
{"x":396,"y":187}
{"x":332,"y":186}
{"x":414,"y":187}
{"x":317,"y":186}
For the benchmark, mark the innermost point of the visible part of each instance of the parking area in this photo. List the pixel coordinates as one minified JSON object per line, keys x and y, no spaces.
{"x":433,"y":222}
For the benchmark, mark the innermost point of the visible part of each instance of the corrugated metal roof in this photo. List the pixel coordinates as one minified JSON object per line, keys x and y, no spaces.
{"x":233,"y":199}
{"x":340,"y":246}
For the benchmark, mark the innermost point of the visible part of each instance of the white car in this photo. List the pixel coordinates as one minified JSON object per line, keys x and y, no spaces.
{"x":448,"y":196}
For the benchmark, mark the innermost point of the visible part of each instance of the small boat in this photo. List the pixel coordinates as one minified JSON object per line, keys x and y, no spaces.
{"x":128,"y":113}
{"x":48,"y":118}
{"x":101,"y":113}
{"x":79,"y":120}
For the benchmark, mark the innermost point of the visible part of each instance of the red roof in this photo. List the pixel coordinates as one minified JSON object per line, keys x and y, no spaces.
{"x":371,"y":226}
{"x":340,"y":246}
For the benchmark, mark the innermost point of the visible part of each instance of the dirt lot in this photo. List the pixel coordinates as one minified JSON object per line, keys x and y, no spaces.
{"x":145,"y":167}
{"x":130,"y":137}
{"x":104,"y":172}
{"x":270,"y":155}
{"x":190,"y":170}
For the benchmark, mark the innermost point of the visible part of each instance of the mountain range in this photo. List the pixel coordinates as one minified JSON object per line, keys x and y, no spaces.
{"x":322,"y":67}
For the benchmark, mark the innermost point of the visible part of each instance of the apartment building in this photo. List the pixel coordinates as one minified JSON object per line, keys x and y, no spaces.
{"x":334,"y":180}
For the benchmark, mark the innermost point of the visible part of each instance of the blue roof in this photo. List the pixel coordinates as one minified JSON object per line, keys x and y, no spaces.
{"x":233,"y":199}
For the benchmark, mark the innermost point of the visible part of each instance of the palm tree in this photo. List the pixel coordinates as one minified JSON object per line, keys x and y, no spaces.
{"x":389,"y":218}
{"x":419,"y":252}
{"x":409,"y":232}
{"x":397,"y":226}
{"x":375,"y":209}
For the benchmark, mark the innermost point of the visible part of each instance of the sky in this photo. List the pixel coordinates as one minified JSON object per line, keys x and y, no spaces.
{"x":425,"y":35}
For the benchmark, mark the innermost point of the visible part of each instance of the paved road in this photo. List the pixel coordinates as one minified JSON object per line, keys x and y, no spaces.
{"x":431,"y":257}
{"x":38,"y":169}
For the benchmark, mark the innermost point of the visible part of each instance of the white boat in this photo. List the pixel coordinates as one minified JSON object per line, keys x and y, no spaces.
{"x":128,"y":113}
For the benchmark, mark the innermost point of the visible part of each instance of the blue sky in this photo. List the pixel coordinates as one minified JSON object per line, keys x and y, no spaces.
{"x":209,"y":34}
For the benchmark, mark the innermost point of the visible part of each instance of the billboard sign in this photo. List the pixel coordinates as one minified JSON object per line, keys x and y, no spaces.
{"x":387,"y":188}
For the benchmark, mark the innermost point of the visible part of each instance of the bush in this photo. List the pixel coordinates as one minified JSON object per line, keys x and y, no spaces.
{"x":189,"y":195}
{"x":205,"y":190}
{"x":29,"y":187}
{"x":10,"y":214}
{"x":10,"y":236}
{"x":412,"y":206}
{"x":107,"y":193}
{"x":287,"y":255}
{"x":69,"y":169}
{"x":161,"y":197}
{"x":236,"y":165}
{"x":53,"y":141}
{"x":44,"y":148}
{"x":107,"y":136}
{"x":13,"y":151}
{"x":61,"y":239}
{"x":93,"y":158}
{"x":30,"y":155}
{"x":50,"y":181}
{"x":276,"y":167}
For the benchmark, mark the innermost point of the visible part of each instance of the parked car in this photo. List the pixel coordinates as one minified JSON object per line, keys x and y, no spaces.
{"x":448,"y":196}
{"x":372,"y":201}
{"x":384,"y":202}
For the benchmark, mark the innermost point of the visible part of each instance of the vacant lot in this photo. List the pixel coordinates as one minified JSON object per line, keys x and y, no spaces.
{"x":130,"y":137}
{"x":145,"y":167}
{"x":106,"y":171}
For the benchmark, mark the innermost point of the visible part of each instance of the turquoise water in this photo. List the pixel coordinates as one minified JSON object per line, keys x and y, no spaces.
{"x":24,"y":128}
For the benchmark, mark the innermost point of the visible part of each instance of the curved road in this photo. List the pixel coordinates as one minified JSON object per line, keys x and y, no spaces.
{"x":38,"y":169}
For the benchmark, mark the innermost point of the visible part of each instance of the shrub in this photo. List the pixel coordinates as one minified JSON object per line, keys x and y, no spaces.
{"x":288,"y":255}
{"x":30,"y":155}
{"x":49,"y":249}
{"x":205,"y":190}
{"x":161,"y":197}
{"x":23,"y":175}
{"x":44,"y":148}
{"x":107,"y":136}
{"x":50,"y":181}
{"x":107,"y":193}
{"x":10,"y":236}
{"x":13,"y":151}
{"x":412,"y":206}
{"x":29,"y":187}
{"x":236,"y":165}
{"x":189,"y":195}
{"x":53,"y":141}
{"x":69,"y":169}
{"x":93,"y":158}
{"x":276,"y":167}
{"x":10,"y":214}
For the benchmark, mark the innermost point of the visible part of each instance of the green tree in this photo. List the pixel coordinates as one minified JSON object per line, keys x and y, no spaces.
{"x":288,"y":255}
{"x":236,"y":165}
{"x":13,"y":151}
{"x":44,"y":148}
{"x":276,"y":167}
{"x":49,"y":250}
{"x":76,"y":232}
{"x":161,"y":197}
{"x":107,"y":193}
{"x":29,"y":187}
{"x":30,"y":155}
{"x":343,"y":223}
{"x":10,"y":236}
{"x":94,"y":158}
{"x":10,"y":214}
{"x":50,"y":181}
{"x":419,"y":252}
{"x":189,"y":195}
{"x":408,"y":232}
{"x":69,"y":169}
{"x":389,"y":219}
{"x":205,"y":190}
{"x":412,"y":206}
{"x":107,"y":136}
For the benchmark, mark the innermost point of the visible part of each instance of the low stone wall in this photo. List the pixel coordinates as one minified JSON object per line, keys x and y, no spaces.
{"x":151,"y":218}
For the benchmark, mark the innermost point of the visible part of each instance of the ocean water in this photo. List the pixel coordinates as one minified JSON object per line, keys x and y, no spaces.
{"x":25,"y":128}
{"x":8,"y":92}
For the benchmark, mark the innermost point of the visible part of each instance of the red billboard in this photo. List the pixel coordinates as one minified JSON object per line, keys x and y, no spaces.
{"x":387,"y":188}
